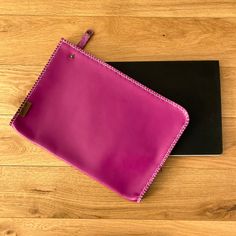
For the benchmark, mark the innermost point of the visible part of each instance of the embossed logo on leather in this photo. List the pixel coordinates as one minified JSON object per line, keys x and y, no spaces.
{"x":25,"y":108}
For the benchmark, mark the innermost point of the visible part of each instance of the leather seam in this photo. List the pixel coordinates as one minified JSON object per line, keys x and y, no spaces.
{"x":36,"y":82}
{"x":124,"y":76}
{"x":155,"y":94}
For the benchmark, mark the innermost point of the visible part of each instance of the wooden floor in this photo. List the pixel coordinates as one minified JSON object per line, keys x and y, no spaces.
{"x":40,"y":195}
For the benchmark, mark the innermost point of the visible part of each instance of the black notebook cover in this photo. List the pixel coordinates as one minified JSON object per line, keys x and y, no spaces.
{"x":196,"y":86}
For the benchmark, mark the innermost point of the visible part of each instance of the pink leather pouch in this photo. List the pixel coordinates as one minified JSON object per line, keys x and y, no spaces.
{"x":100,"y":120}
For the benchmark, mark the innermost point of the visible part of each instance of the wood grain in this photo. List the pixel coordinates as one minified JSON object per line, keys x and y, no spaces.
{"x":152,"y":8}
{"x":25,"y":43}
{"x":63,"y":227}
{"x":40,"y":194}
{"x":17,"y":80}
{"x":62,"y":192}
{"x":16,"y":150}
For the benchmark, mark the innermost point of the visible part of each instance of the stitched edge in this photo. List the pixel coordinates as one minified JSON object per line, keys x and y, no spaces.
{"x":151,"y":179}
{"x":36,"y":82}
{"x":126,"y":77}
{"x":163,"y":161}
{"x":123,"y":76}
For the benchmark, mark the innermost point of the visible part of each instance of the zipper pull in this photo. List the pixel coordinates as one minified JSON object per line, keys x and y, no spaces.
{"x":85,"y":38}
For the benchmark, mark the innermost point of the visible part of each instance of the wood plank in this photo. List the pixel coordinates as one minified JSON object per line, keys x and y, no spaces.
{"x":191,"y":196}
{"x":64,"y":227}
{"x":60,"y":192}
{"x":16,"y":81}
{"x":190,"y":8}
{"x":17,"y":150}
{"x":28,"y":40}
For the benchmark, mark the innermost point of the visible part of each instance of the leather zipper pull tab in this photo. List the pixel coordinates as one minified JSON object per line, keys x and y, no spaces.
{"x":85,"y":38}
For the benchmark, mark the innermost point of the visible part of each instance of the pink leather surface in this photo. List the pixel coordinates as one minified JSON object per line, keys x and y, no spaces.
{"x":101,"y":121}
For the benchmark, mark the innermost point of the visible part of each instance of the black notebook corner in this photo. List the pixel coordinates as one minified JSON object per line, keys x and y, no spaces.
{"x":195,"y":85}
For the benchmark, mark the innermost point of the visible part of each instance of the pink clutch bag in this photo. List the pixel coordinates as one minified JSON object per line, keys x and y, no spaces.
{"x":100,"y":120}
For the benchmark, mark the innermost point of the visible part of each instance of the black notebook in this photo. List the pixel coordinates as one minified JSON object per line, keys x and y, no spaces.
{"x":196,"y":86}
